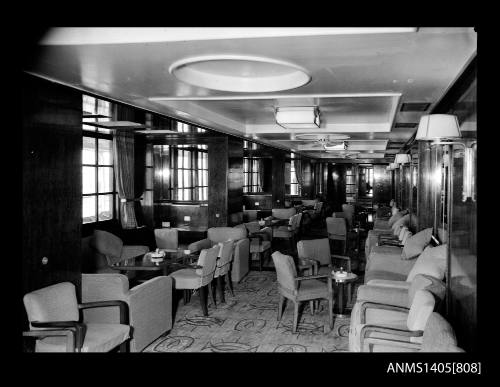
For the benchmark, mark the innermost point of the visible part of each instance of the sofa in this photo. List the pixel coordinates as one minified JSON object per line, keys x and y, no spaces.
{"x":240,"y":264}
{"x":150,"y":304}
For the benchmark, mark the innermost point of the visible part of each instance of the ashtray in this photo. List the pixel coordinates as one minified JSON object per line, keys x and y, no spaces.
{"x":339,"y":274}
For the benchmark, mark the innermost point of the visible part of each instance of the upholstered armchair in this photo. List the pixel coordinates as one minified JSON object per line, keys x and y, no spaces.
{"x":241,"y":247}
{"x":112,"y":250}
{"x":318,"y":250}
{"x":299,"y":289}
{"x":406,"y":324}
{"x":198,"y":276}
{"x":260,"y":242}
{"x":337,"y":230}
{"x":55,"y":322}
{"x":149,"y":304}
{"x":290,"y":232}
{"x":281,"y":213}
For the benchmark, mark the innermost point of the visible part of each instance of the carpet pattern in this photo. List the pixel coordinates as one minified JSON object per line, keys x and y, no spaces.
{"x":248,"y":322}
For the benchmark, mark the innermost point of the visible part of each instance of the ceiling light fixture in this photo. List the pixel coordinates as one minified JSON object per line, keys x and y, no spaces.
{"x":296,"y":117}
{"x":402,"y":158}
{"x":238,"y":73}
{"x":341,"y":146}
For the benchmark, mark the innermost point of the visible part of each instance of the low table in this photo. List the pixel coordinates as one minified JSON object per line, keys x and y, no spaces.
{"x":173,"y":260}
{"x":341,"y":281}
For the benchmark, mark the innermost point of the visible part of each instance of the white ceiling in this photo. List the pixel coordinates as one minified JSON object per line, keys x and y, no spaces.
{"x":359,"y":79}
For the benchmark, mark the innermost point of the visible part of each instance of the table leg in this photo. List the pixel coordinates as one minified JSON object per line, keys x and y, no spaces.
{"x":341,"y":300}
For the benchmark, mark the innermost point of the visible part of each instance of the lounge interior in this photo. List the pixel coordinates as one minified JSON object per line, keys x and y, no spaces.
{"x":250,"y":190}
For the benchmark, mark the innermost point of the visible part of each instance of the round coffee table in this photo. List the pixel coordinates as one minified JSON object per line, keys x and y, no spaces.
{"x":341,"y":281}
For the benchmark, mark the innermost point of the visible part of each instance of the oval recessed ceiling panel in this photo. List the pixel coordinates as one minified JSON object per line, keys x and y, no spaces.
{"x":246,"y":74}
{"x":320,"y":136}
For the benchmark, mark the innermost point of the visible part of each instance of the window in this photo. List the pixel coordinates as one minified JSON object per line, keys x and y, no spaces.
{"x":251,"y":175}
{"x":182,"y":127}
{"x":294,"y":184}
{"x":98,"y":185}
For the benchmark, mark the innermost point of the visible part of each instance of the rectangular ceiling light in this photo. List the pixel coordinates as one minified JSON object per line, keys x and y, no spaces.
{"x":298,"y":117}
{"x":341,"y":146}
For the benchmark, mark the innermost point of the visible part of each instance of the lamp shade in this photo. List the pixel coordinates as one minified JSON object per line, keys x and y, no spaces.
{"x":393,"y":166}
{"x":298,"y":117}
{"x":402,"y":158}
{"x":438,"y":126}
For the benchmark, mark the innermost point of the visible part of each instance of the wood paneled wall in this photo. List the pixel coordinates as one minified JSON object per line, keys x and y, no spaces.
{"x":174,"y":213}
{"x":52,"y":183}
{"x":265,"y":202}
{"x":335,"y":186}
{"x":381,"y":184}
{"x":235,"y":176}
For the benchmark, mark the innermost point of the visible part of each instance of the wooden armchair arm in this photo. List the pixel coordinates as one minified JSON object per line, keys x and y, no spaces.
{"x":124,"y":313}
{"x":376,"y":305}
{"x":308,"y":263}
{"x":68,"y":333}
{"x":320,"y":276}
{"x":367,"y":329}
{"x":77,"y":329}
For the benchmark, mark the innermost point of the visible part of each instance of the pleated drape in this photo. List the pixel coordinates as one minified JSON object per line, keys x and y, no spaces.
{"x":123,"y":154}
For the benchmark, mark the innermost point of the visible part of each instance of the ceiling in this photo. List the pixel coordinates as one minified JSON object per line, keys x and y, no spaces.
{"x":359,"y":79}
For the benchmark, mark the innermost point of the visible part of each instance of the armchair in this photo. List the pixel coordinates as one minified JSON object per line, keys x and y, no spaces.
{"x":241,"y":247}
{"x":167,"y":238}
{"x":299,"y":289}
{"x":387,"y":308}
{"x":149,"y":304}
{"x":290,"y":232}
{"x":337,"y":230}
{"x":113,"y":250}
{"x":222,"y":269}
{"x":55,"y":322}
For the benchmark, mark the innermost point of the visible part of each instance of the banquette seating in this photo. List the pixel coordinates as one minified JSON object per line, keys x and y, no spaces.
{"x":240,"y":266}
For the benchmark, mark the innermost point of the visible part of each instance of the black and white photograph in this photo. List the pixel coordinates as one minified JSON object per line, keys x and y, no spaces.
{"x":251,"y":190}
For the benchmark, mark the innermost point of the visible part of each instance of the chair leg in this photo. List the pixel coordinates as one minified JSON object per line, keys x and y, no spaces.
{"x":186,"y":296}
{"x":125,"y":346}
{"x":220,"y":288}
{"x":230,"y":282}
{"x":211,"y":292}
{"x":295,"y":316}
{"x":203,"y":300}
{"x":330,"y":312}
{"x":349,"y":291}
{"x":311,"y":306}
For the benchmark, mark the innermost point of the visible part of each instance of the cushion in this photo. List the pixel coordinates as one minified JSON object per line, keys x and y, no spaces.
{"x":222,"y":234}
{"x":109,"y":245}
{"x":403,"y":221}
{"x":398,"y":215}
{"x":432,"y":262}
{"x":416,"y":244}
{"x":186,"y":279}
{"x":98,"y":338}
{"x":438,"y":335}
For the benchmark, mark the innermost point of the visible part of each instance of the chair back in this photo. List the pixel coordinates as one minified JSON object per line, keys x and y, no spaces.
{"x":283,"y":213}
{"x":422,"y":306}
{"x":208,"y":261}
{"x":225,"y":257}
{"x":317,"y":249}
{"x":296,"y":222}
{"x":252,"y":227}
{"x":338,"y":214}
{"x":348,"y":210}
{"x":222,"y":234}
{"x":52,"y":303}
{"x":285,"y":271}
{"x":108,"y":245}
{"x":317,"y":207}
{"x":439,"y":335}
{"x":336,"y":226}
{"x":167,"y":238}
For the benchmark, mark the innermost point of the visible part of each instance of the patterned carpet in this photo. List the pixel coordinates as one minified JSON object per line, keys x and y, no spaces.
{"x":247,"y":323}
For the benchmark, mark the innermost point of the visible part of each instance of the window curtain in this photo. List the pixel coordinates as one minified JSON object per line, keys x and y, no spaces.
{"x":298,"y":172}
{"x":124,"y":160}
{"x":260,"y":164}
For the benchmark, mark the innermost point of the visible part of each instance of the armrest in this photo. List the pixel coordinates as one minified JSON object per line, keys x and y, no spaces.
{"x":307,"y":263}
{"x":383,"y":295}
{"x":68,"y":333}
{"x":367,"y":329}
{"x":313,"y":277}
{"x":376,"y":305}
{"x":408,"y":345}
{"x":390,"y":243}
{"x":124,"y":313}
{"x":389,"y":283}
{"x":77,"y":330}
{"x":200,"y":245}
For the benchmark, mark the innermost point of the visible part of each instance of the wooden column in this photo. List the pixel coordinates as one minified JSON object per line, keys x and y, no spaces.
{"x":235,"y":177}
{"x":381,"y":184}
{"x":52,"y":184}
{"x":278,"y":184}
{"x":217,"y":182}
